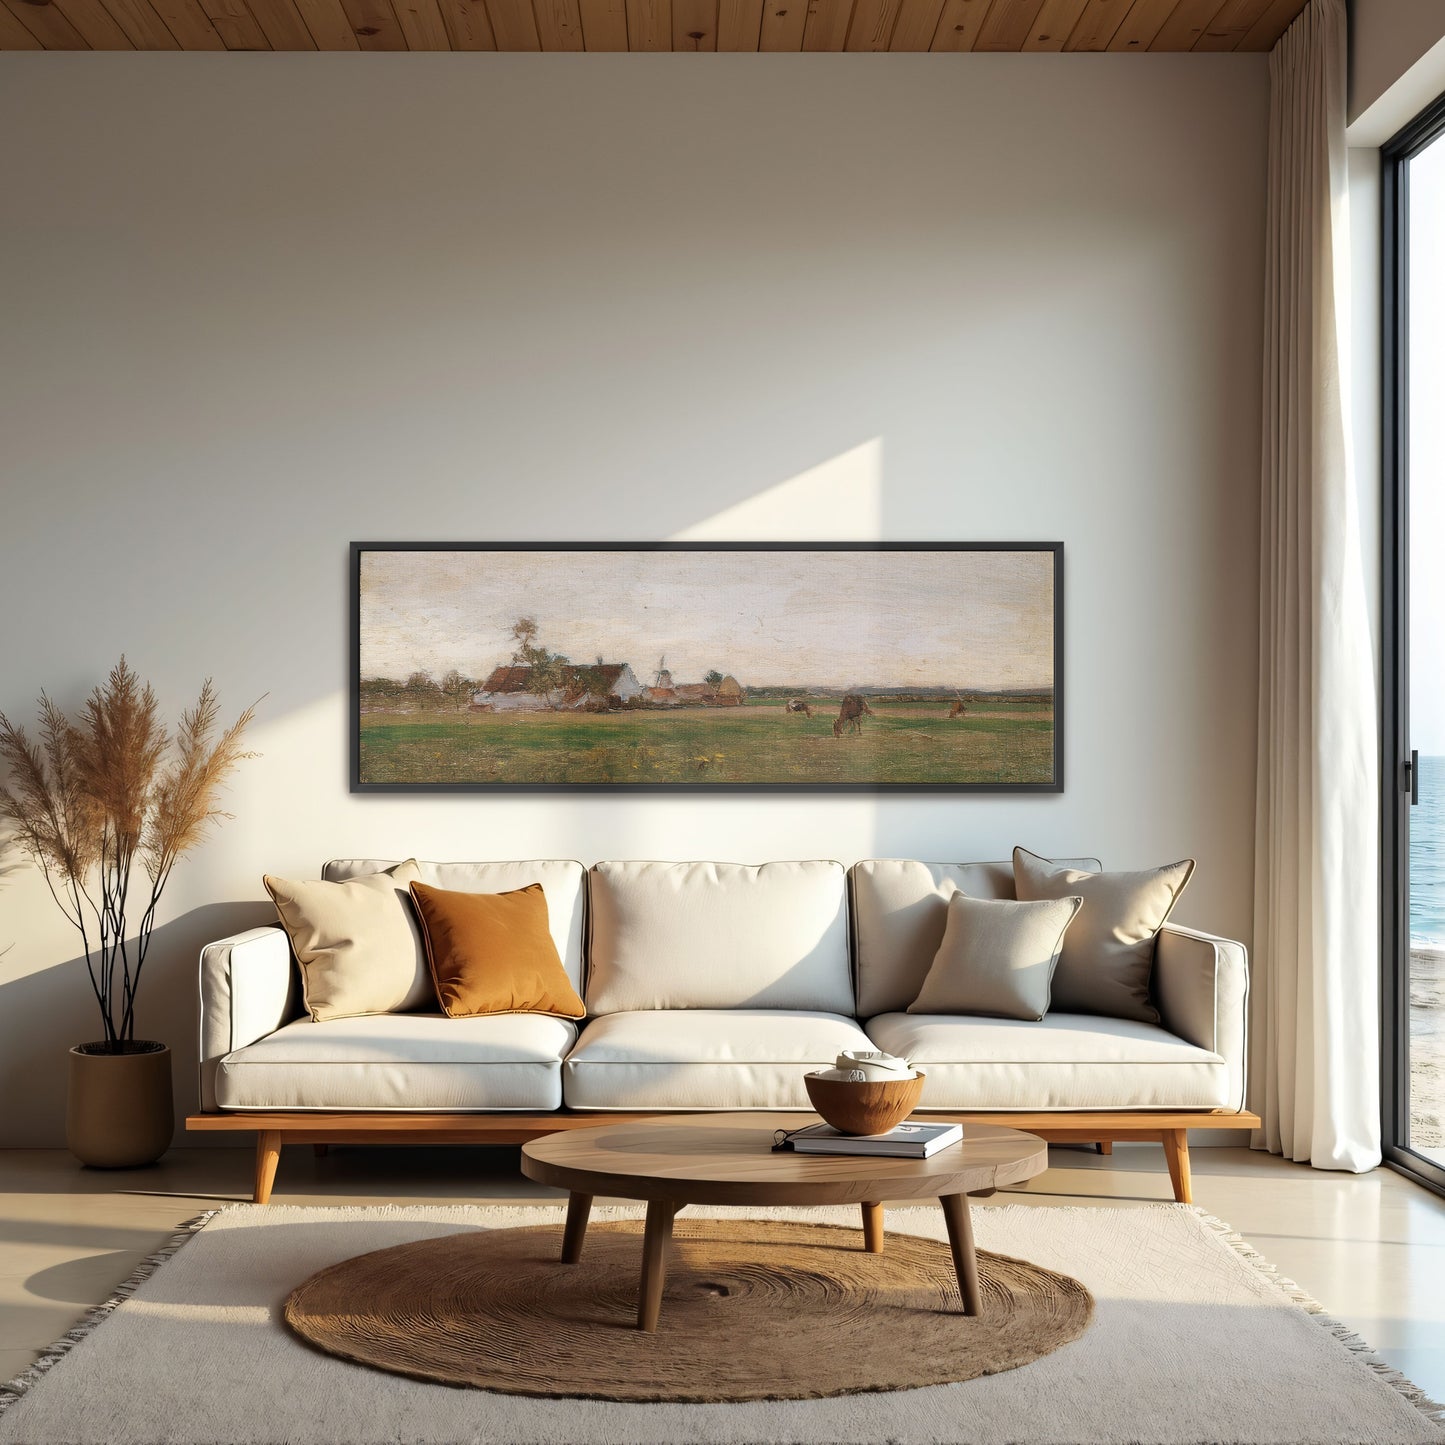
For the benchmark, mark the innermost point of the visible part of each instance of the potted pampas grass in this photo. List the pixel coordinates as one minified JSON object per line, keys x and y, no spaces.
{"x":106,"y":806}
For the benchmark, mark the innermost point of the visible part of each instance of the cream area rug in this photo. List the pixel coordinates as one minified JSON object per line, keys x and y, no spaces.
{"x":1193,"y":1340}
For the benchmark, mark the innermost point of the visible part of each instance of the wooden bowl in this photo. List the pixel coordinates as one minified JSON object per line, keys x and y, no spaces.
{"x":869,"y":1108}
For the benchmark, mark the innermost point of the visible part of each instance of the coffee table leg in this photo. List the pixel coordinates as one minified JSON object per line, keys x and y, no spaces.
{"x":579,"y":1206}
{"x":655,"y":1239}
{"x":873,"y":1228}
{"x":960,"y":1241}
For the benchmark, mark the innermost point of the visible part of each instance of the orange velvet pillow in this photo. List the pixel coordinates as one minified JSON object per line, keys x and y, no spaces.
{"x":492,"y":953}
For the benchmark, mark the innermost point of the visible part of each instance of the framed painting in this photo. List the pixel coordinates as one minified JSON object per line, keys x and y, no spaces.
{"x":875,"y":667}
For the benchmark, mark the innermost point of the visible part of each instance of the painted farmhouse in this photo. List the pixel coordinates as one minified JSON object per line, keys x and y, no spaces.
{"x":509,"y":688}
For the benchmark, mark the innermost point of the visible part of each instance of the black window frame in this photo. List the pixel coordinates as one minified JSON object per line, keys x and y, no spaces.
{"x":1396,"y":763}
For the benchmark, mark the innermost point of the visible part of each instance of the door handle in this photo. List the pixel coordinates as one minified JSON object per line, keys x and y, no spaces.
{"x":1413,"y":770}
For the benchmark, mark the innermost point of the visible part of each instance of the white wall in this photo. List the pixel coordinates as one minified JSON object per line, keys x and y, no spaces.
{"x":1397,"y":65}
{"x":259,"y":306}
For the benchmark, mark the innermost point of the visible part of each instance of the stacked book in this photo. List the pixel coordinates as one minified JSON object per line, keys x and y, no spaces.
{"x":906,"y":1141}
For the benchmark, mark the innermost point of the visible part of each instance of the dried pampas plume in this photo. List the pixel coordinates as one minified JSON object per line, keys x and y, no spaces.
{"x":95,"y":797}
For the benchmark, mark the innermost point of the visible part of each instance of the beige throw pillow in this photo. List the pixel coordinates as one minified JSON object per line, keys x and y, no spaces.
{"x":358,"y":943}
{"x":1107,"y":958}
{"x":997,"y":957}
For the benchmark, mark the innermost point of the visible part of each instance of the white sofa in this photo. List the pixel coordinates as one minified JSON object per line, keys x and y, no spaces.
{"x":715,"y":986}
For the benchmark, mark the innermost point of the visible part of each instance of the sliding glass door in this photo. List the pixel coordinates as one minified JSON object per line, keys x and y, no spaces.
{"x":1414,"y":731}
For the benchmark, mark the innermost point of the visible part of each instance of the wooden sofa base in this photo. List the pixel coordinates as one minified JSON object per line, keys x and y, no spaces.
{"x":273,"y":1130}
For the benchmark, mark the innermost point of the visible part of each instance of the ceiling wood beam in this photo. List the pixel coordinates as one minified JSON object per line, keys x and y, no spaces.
{"x":649,"y":25}
{"x":783,"y":24}
{"x":374,"y":24}
{"x":46,"y":25}
{"x":94,"y":23}
{"x":604,"y":24}
{"x":188,"y":23}
{"x":559,"y":24}
{"x":1008,"y":24}
{"x":1265,"y":33}
{"x":14,"y":36}
{"x":871,"y":27}
{"x":1097,"y":25}
{"x":468,"y":24}
{"x":1054,"y":24}
{"x":826,"y":27}
{"x":694,"y":24}
{"x":739,"y":24}
{"x":902,"y":26}
{"x":327,"y":23}
{"x":514,"y":24}
{"x":1231,"y":23}
{"x":959,"y":24}
{"x":421,"y":24}
{"x":282,"y":25}
{"x":235,"y":25}
{"x":1186,"y":23}
{"x":917,"y":22}
{"x":146,"y":29}
{"x":1143,"y":22}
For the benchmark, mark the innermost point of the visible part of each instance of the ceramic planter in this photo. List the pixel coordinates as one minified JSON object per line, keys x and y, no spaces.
{"x":119,"y":1113}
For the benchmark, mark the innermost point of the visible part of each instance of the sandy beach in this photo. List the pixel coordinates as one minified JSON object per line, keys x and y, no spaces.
{"x":1427,"y":1050}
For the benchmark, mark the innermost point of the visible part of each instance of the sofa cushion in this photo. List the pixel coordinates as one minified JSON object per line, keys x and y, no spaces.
{"x":1108,"y":955}
{"x":703,"y":1058}
{"x":1064,"y":1061}
{"x":997,"y":957}
{"x":899,"y":911}
{"x":401,"y":1061}
{"x":492,"y":953}
{"x":718,"y":936}
{"x":563,"y":881}
{"x":357,"y":943}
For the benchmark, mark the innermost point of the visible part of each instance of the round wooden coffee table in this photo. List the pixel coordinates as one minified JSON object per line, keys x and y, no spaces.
{"x":728,"y":1159}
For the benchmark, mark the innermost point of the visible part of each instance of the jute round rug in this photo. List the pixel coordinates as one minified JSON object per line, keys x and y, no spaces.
{"x":753,"y":1310}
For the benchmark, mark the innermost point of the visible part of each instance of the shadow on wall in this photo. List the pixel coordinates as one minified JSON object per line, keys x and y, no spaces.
{"x":33,"y":1065}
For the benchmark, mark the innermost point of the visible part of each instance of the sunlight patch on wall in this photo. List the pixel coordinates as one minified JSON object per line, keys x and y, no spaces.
{"x":840,"y":500}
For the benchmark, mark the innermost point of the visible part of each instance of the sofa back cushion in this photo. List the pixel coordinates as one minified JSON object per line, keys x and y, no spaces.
{"x":718,"y":935}
{"x":563,"y":883}
{"x":900,"y":908}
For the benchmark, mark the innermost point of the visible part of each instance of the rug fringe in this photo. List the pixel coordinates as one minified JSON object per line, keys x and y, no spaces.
{"x":1360,"y":1348}
{"x":26,"y":1381}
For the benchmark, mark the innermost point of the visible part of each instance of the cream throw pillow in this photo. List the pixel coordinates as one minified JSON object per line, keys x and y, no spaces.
{"x":1109,"y":954}
{"x":358,"y":943}
{"x":997,"y":957}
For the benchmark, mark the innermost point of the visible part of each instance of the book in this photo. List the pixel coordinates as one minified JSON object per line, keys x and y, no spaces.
{"x":906,"y":1141}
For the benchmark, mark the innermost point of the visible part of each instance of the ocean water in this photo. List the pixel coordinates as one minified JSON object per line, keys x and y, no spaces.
{"x":1427,"y":858}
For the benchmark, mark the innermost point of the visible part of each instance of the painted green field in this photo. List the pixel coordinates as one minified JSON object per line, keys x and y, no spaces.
{"x":910,"y":743}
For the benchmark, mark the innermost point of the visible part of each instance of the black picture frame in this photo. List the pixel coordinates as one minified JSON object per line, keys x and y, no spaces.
{"x":358,"y":785}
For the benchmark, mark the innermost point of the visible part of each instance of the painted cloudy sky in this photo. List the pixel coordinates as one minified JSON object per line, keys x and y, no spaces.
{"x":802,"y":619}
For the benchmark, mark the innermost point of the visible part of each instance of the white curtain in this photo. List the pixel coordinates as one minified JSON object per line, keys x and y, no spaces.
{"x":1314,"y":1049}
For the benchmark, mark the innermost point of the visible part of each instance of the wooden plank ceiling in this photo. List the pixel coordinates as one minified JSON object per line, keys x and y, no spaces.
{"x":990,"y":25}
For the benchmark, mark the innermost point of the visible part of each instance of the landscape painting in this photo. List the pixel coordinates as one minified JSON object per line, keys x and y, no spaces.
{"x":707,"y":666}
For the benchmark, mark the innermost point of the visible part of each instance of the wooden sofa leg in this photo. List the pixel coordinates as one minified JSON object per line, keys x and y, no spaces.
{"x":1106,"y":1146}
{"x":268,"y":1156}
{"x":1176,"y":1155}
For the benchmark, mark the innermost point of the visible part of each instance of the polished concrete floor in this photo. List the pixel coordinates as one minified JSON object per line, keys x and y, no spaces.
{"x":1370,"y":1247}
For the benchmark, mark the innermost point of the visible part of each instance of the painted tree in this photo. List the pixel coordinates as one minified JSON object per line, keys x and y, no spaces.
{"x":456,"y":688}
{"x":545,"y":669}
{"x":421,"y":688}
